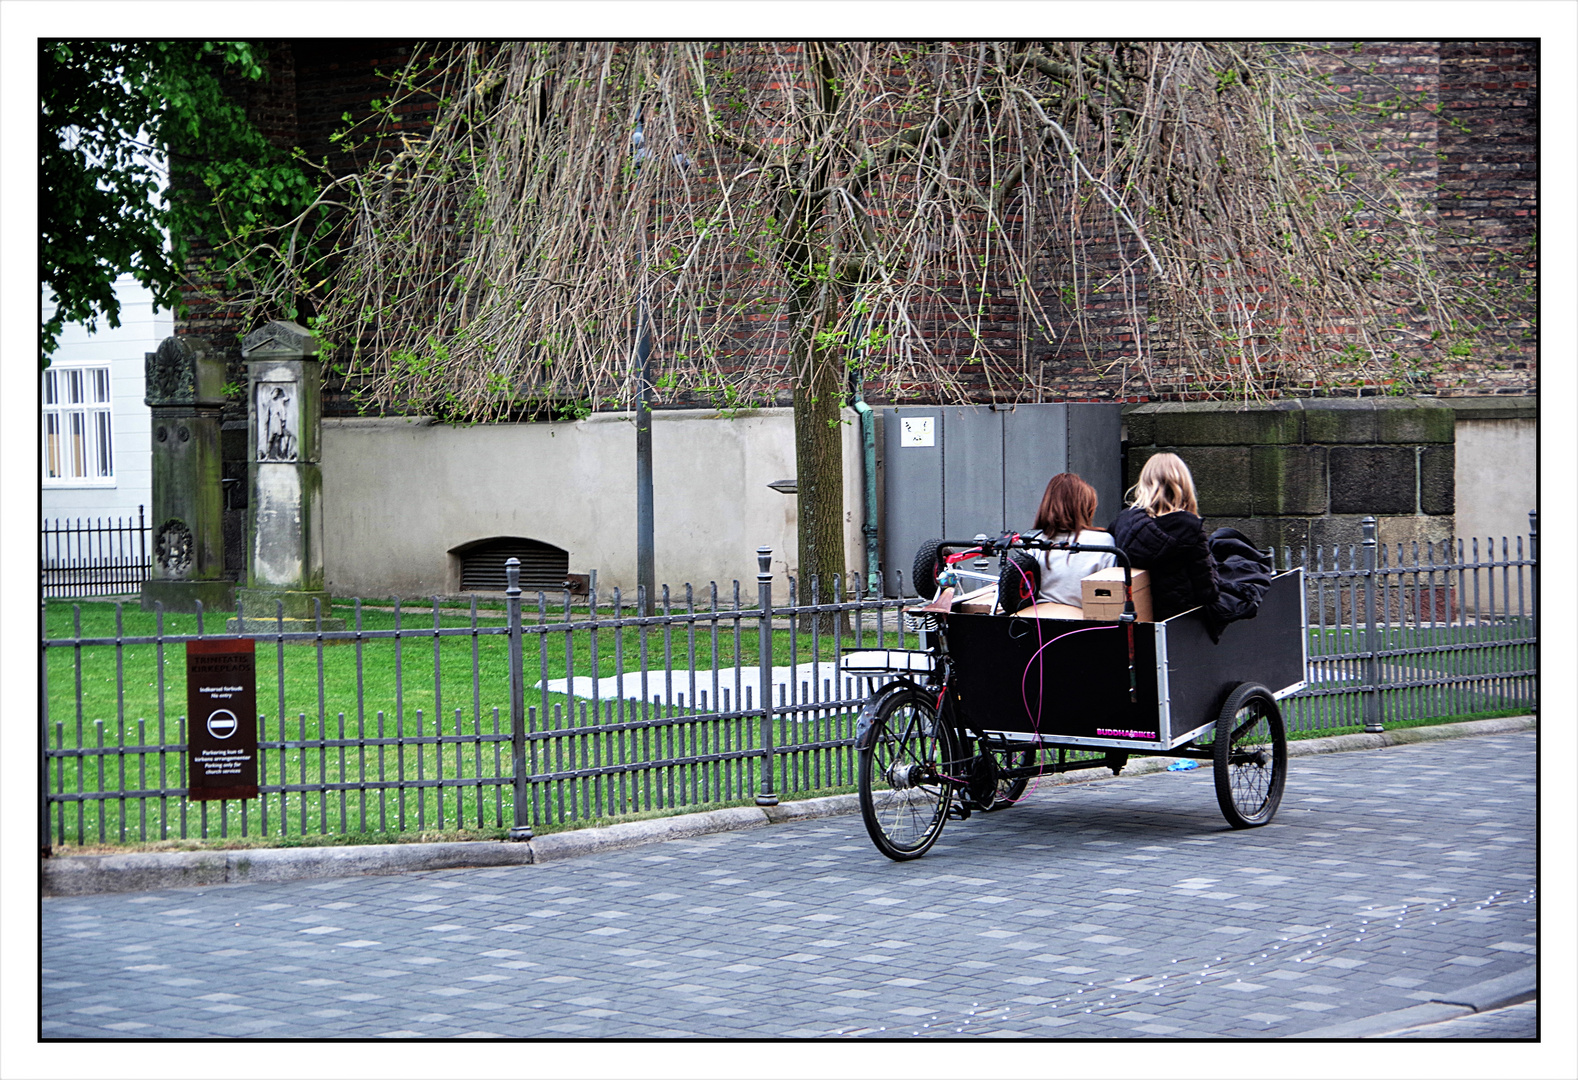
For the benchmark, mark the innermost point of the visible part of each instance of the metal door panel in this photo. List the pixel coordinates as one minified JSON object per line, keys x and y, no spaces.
{"x":912,"y":493}
{"x":972,"y":471}
{"x":1095,"y":432}
{"x":984,"y":470}
{"x":1035,"y":449}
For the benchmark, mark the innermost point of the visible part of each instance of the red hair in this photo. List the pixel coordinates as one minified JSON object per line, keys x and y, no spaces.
{"x":1067,"y":507}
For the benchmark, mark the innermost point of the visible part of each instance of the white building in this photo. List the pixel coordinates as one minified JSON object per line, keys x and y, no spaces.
{"x":95,"y":461}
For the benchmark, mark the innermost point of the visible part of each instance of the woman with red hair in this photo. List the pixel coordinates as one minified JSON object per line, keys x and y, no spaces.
{"x":1065,"y":515}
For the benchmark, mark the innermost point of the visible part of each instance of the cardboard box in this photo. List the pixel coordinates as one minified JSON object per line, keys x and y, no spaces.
{"x":1101,"y":595}
{"x":980,"y":602}
{"x":1046,"y":609}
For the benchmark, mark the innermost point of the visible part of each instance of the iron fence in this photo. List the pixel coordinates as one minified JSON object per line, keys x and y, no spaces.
{"x":96,"y":557}
{"x":505,"y":715}
{"x":1399,"y":634}
{"x":492,"y":716}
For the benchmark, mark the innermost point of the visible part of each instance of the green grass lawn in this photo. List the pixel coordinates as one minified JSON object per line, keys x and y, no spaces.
{"x":425,"y":709}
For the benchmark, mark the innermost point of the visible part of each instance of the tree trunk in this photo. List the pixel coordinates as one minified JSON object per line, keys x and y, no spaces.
{"x":819,"y":459}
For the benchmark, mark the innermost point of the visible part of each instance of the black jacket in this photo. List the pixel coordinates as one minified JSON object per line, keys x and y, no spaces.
{"x":1173,"y":549}
{"x":1243,"y":574}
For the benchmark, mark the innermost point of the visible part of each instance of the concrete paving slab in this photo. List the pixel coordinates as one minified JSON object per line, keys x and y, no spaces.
{"x":579,"y":842}
{"x":1520,"y":1022}
{"x":1498,"y":993}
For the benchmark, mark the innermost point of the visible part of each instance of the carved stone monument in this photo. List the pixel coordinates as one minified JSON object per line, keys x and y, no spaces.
{"x":285,"y":478}
{"x":185,"y":392}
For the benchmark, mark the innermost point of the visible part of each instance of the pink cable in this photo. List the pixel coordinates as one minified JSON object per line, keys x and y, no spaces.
{"x":1035,"y":724}
{"x":1024,"y":696}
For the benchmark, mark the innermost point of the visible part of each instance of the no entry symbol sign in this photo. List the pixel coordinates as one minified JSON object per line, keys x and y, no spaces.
{"x":222,"y":727}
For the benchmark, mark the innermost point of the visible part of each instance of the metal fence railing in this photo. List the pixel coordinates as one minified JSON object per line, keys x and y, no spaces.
{"x":508,"y":715}
{"x":96,"y":557}
{"x":1397,"y":634}
{"x":491,"y":716}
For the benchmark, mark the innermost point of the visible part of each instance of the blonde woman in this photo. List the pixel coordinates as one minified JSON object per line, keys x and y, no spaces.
{"x":1161,"y":532}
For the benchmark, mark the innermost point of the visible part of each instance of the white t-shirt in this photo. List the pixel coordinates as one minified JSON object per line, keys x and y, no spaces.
{"x":1062,"y":571}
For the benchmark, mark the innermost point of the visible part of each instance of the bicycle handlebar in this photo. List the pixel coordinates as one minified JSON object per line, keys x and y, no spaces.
{"x":984,"y":547}
{"x":1001,"y":545}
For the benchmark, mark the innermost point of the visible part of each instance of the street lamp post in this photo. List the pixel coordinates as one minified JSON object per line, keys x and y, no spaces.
{"x":646,"y":572}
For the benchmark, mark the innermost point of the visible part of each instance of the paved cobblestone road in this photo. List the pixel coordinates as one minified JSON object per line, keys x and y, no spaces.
{"x":1122,"y":908}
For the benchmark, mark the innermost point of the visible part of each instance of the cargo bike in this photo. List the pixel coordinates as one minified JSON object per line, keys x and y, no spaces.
{"x":992,"y":700}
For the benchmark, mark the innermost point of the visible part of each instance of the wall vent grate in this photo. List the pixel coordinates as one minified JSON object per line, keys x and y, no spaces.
{"x":543,"y":566}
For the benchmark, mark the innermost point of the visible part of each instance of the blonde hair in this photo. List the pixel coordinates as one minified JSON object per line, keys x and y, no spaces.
{"x":1165,"y":487}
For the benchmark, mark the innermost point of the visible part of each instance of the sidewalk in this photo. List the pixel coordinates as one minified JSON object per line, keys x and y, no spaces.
{"x":140,"y":871}
{"x":1390,"y":881}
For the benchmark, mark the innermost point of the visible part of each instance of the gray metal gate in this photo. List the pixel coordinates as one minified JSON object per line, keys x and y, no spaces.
{"x":954,"y":471}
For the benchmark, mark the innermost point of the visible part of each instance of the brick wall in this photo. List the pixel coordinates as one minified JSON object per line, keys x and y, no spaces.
{"x":312,"y":85}
{"x":1489,"y":185}
{"x":1476,"y":173}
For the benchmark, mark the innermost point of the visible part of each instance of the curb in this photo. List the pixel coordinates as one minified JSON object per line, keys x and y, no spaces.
{"x":1504,"y":725}
{"x":82,"y":875}
{"x":1498,"y":993}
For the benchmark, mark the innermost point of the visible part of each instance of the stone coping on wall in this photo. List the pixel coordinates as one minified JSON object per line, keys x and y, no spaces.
{"x":1377,"y":419}
{"x":624,"y":417}
{"x":1519,"y":407}
{"x":592,"y":417}
{"x":369,"y":422}
{"x":1298,"y":421}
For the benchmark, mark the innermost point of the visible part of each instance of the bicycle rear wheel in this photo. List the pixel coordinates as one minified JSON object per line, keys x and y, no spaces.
{"x":904,"y":790}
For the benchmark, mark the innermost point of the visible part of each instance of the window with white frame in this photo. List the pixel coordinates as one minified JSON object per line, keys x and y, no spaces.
{"x":77,"y":429}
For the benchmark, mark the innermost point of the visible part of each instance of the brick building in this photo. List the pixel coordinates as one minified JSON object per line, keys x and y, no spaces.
{"x":1464,"y":143}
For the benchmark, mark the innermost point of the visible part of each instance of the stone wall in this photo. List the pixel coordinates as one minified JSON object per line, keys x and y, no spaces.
{"x":1497,"y":448}
{"x":1306,"y":473}
{"x":402,"y":493}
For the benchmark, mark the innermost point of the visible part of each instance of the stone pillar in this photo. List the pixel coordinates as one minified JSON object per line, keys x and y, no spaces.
{"x":185,"y":392}
{"x":285,"y":481}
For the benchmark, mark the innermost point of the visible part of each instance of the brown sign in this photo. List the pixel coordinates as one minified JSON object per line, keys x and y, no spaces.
{"x":222,"y":720}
